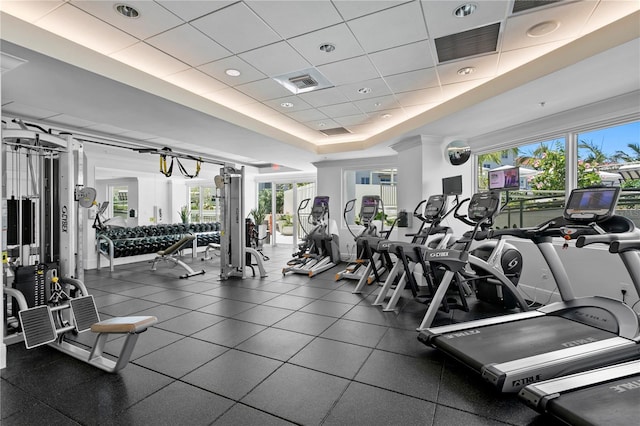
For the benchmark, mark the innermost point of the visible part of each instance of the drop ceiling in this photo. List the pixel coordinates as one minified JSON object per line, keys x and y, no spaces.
{"x":396,"y":66}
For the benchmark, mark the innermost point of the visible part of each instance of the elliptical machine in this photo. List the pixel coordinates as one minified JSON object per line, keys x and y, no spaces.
{"x":320,"y":249}
{"x":370,"y":263}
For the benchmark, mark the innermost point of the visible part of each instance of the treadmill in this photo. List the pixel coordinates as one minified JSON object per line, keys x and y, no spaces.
{"x":607,"y":395}
{"x":573,"y":335}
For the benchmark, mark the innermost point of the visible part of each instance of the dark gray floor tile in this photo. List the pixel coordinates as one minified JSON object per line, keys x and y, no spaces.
{"x":367,"y":405}
{"x":464,"y":389}
{"x":149,"y":341}
{"x":279,"y":287}
{"x":189,"y":323}
{"x":343,"y":297}
{"x":141,"y":291}
{"x":163,"y":312}
{"x":330,"y":356}
{"x":227,"y":308}
{"x":410,"y":376}
{"x":107,"y":395}
{"x":194,"y":301}
{"x":241,"y":414}
{"x":405,"y":342}
{"x":276,"y":343}
{"x":109,"y":299}
{"x":355,"y":332}
{"x":181,"y":357}
{"x":264,"y":315}
{"x":200,"y":287}
{"x":127,"y":307}
{"x":287,"y":301}
{"x":36,"y":415}
{"x":324,"y":307}
{"x":232,"y":374}
{"x":177,"y":404}
{"x":167,"y":296}
{"x":13,"y":399}
{"x":242,"y":294}
{"x":305,"y":323}
{"x":229,"y":332}
{"x":303,"y":396}
{"x":447,"y":416}
{"x":310,"y":292}
{"x":21,"y":359}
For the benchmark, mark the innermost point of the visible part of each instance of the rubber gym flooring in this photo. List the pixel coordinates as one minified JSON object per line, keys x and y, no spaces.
{"x":273,"y":351}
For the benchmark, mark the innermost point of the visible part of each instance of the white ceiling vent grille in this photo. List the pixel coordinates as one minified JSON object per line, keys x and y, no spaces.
{"x":303,"y":81}
{"x":335,"y":131}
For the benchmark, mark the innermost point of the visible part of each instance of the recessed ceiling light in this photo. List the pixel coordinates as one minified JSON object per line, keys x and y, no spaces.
{"x":386,"y":116}
{"x":466,"y":70}
{"x":327,"y":47}
{"x":364,"y":90}
{"x":286,"y":105}
{"x":321,"y":124}
{"x":543,"y":28}
{"x":126,"y":10}
{"x":377,"y":104}
{"x":232,"y":72}
{"x":464,"y":10}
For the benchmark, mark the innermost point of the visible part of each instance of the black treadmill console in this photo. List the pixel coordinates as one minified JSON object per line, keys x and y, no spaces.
{"x":369,"y":208}
{"x":320,"y":207}
{"x":435,"y":206}
{"x":591,"y":204}
{"x":483,"y":205}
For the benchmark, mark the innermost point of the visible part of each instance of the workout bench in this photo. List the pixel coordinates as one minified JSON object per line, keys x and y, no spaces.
{"x":171,"y":253}
{"x":39,"y":328}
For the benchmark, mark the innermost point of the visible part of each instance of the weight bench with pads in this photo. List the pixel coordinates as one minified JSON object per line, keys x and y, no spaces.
{"x":170,"y":254}
{"x":38,"y":328}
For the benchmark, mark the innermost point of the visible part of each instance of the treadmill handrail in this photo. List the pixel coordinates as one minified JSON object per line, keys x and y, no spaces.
{"x":585,"y":240}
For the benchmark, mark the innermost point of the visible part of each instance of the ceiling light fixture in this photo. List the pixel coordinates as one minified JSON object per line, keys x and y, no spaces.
{"x":321,"y":124}
{"x":126,"y":10}
{"x":232,"y":72}
{"x":364,"y":90}
{"x":466,"y":70}
{"x":286,"y":105}
{"x":386,"y":116}
{"x":327,"y":47}
{"x":464,"y":10}
{"x":543,"y":29}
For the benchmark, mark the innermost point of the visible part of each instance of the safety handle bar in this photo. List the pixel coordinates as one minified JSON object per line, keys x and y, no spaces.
{"x":620,"y":246}
{"x":463,"y":217}
{"x":632,"y":236}
{"x":303,"y":204}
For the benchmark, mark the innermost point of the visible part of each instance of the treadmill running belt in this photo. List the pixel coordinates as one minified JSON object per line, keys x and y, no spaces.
{"x":504,"y":342}
{"x":612,"y":403}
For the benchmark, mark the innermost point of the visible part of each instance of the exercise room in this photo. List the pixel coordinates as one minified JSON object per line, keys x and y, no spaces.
{"x":320,"y":212}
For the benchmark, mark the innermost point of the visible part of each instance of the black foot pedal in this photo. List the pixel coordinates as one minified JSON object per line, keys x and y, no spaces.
{"x":85,"y":312}
{"x":37,"y":326}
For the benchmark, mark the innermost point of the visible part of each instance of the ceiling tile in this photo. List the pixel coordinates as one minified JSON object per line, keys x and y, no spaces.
{"x":229,"y":97}
{"x":377,"y":87}
{"x":340,"y":110}
{"x":574,"y":16}
{"x":22,"y":110}
{"x":153,"y":18}
{"x":515,"y":58}
{"x":349,"y":71}
{"x":298,"y":104}
{"x":485,"y":66}
{"x":307,"y":115}
{"x":86,"y":30}
{"x":192,"y":9}
{"x":257,"y":110}
{"x":441,"y":21}
{"x":413,"y":80}
{"x":375,"y":105}
{"x":350,"y":9}
{"x":340,"y":36}
{"x":450,"y":91}
{"x":352,"y":120}
{"x":390,"y":28}
{"x":149,"y":59}
{"x":217,"y":70}
{"x":405,"y":58}
{"x":419,"y":97}
{"x":608,"y":11}
{"x":292,"y":18}
{"x":195,"y":81}
{"x":263,"y":90}
{"x":275,"y":59}
{"x":189,"y":45}
{"x":29,"y":11}
{"x":318,"y":98}
{"x":237,"y":28}
{"x":322,"y":125}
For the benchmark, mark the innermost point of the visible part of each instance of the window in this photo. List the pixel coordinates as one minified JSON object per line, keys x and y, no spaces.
{"x":380,"y":182}
{"x":120,"y":201}
{"x":203,"y":206}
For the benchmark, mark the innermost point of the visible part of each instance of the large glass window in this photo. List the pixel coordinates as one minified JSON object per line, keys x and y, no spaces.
{"x":203,"y":206}
{"x":120,"y":201}
{"x":380,"y":182}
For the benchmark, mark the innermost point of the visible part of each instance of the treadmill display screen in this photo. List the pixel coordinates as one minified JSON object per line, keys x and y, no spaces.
{"x":369,"y":205}
{"x":592,"y":203}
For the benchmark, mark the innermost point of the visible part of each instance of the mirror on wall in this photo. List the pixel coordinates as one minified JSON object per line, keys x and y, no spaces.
{"x":458,"y":152}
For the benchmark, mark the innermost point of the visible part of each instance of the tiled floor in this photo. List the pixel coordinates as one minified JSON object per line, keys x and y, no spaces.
{"x":277,"y":350}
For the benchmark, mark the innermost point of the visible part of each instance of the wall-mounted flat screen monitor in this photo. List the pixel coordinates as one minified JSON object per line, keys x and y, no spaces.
{"x":507,"y":179}
{"x":592,"y":203}
{"x":452,"y":185}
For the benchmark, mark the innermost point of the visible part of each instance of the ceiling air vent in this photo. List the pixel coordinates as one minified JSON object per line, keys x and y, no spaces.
{"x":302,"y":81}
{"x":468,"y":43}
{"x":335,"y":131}
{"x":522,"y":5}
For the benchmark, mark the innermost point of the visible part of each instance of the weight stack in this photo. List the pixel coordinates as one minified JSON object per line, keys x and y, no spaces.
{"x":33,"y":282}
